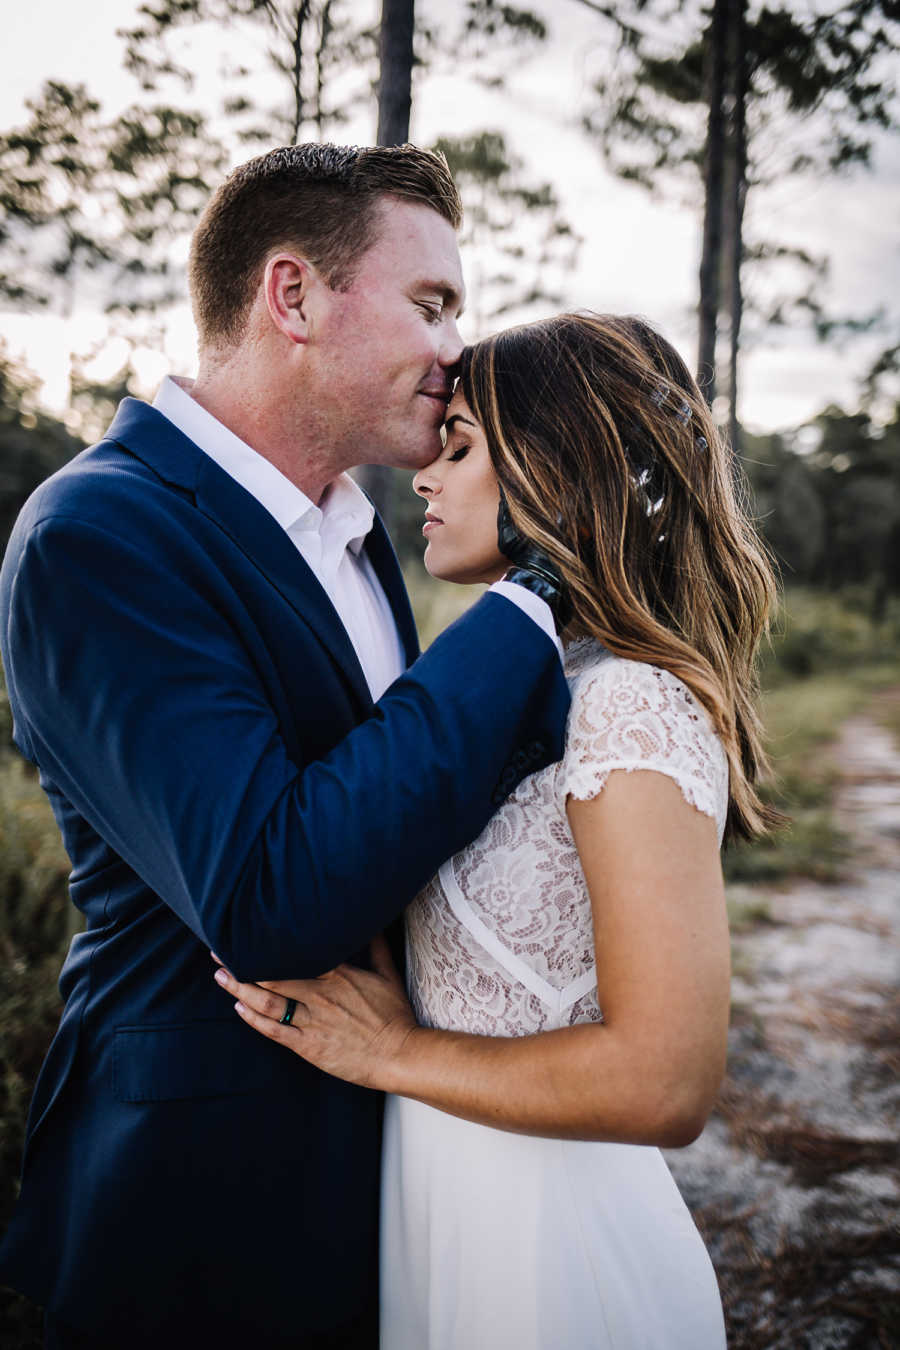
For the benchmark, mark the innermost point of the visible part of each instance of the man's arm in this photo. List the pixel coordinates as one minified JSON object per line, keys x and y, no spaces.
{"x":140,"y":701}
{"x":647,"y":1074}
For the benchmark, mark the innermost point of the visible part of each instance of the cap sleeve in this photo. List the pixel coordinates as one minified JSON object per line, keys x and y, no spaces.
{"x":629,"y":715}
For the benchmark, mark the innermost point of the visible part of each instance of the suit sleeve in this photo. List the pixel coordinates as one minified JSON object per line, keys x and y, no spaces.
{"x":134,"y":692}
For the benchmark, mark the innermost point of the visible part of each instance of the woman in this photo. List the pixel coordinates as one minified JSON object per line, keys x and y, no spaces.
{"x":569,"y":969}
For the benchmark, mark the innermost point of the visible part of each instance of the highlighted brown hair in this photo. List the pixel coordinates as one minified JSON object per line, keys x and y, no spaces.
{"x":319,"y":200}
{"x":610,"y":461}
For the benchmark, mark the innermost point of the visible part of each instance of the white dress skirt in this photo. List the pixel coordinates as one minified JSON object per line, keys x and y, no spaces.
{"x":497,"y":1241}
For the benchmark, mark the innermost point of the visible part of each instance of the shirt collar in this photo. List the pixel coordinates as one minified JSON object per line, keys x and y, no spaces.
{"x":344,"y":510}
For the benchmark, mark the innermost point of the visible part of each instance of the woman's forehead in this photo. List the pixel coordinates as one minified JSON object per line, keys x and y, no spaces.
{"x":458,"y":409}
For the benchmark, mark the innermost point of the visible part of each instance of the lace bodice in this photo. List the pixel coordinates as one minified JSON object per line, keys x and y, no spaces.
{"x":500,"y":942}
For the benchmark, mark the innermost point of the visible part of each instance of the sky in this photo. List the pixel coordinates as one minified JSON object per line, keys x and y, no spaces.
{"x":640,"y":254}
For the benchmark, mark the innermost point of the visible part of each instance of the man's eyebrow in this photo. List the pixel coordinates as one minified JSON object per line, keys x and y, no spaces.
{"x":451,"y":422}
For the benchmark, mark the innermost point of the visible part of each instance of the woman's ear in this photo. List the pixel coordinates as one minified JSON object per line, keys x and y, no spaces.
{"x":287,"y":281}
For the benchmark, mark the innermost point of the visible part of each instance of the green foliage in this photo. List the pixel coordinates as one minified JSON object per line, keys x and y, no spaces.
{"x":826,"y":660}
{"x":32,"y":444}
{"x":810,"y":846}
{"x":650,"y":114}
{"x":325,"y":60}
{"x":319,"y":53}
{"x":35,"y":929}
{"x":488,"y":20}
{"x":325,"y":64}
{"x":832,"y":514}
{"x":483,"y":38}
{"x":502,"y":212}
{"x":798,"y":63}
{"x":95,"y":211}
{"x":828,"y":633}
{"x":86,"y":201}
{"x":746,"y":908}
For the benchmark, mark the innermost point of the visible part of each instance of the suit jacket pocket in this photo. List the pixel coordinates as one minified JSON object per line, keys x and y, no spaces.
{"x":188,"y":1060}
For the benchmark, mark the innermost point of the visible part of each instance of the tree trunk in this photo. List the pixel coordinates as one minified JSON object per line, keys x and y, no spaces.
{"x":713,"y":182}
{"x":325,"y":30}
{"x":301,"y":15}
{"x":736,"y":192}
{"x":395,"y":83}
{"x":394,"y":103}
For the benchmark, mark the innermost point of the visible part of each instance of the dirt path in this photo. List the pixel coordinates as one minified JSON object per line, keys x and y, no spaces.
{"x":796,"y":1179}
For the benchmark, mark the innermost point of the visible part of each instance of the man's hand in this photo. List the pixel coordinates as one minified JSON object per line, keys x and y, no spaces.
{"x":531,"y":567}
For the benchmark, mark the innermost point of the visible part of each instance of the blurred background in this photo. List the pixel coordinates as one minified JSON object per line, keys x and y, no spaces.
{"x":728,"y":169}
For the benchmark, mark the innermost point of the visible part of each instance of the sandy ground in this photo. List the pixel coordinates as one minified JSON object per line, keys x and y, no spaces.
{"x":795,"y":1182}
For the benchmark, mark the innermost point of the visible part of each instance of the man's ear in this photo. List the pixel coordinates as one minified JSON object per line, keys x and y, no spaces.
{"x":287,"y":282}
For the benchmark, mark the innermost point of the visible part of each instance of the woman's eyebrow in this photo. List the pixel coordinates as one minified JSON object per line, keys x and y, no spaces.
{"x":457,"y":417}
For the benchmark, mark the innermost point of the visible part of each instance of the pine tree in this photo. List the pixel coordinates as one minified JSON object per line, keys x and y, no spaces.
{"x":729,"y":98}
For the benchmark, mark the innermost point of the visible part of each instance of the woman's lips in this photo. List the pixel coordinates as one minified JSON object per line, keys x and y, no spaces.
{"x":431,"y":523}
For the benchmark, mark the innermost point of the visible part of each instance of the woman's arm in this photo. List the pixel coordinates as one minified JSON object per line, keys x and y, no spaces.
{"x":647,"y":1074}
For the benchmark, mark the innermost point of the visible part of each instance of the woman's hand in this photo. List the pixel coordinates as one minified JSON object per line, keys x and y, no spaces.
{"x":351,"y":1023}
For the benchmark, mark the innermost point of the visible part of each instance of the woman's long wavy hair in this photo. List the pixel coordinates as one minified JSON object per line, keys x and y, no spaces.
{"x":611,"y":462}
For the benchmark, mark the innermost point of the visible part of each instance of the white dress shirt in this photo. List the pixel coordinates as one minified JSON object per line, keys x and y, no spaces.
{"x":329,"y":537}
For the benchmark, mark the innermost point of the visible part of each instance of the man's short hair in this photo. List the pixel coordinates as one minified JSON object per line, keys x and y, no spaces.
{"x":319,"y":200}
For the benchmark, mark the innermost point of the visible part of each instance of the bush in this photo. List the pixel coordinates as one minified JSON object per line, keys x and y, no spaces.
{"x":814,"y":632}
{"x":36,"y":922}
{"x":827,"y":658}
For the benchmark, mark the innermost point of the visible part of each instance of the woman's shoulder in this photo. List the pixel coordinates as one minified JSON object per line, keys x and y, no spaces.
{"x":632,"y":715}
{"x":593,"y":671}
{"x":643,"y":710}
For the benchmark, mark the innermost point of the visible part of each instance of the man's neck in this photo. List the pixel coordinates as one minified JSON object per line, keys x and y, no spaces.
{"x":258,"y":421}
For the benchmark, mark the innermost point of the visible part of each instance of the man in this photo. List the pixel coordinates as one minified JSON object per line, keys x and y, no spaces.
{"x":200,"y":618}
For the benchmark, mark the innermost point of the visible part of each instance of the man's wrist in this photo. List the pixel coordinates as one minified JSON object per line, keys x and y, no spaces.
{"x":547,"y":588}
{"x":537,"y":609}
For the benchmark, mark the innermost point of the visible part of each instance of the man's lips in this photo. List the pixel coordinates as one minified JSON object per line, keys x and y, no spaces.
{"x":437,"y":395}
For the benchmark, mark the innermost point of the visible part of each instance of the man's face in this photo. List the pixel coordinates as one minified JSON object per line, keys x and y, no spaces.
{"x":381,"y":353}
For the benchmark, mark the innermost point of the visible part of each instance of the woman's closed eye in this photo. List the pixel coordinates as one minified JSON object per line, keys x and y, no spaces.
{"x":459,"y":453}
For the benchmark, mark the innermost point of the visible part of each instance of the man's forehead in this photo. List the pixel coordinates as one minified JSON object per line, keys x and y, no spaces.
{"x":422,"y":236}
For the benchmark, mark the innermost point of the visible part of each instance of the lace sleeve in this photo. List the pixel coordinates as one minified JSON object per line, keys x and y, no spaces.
{"x":629,"y":715}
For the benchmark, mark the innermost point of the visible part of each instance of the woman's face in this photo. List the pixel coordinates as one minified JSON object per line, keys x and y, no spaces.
{"x":462,"y":497}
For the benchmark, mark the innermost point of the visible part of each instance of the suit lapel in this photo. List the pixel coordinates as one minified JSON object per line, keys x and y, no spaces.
{"x":266,"y":544}
{"x":381,"y":554}
{"x":151,"y":437}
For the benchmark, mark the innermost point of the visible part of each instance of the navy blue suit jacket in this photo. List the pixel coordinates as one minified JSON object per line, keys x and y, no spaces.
{"x":223,"y":780}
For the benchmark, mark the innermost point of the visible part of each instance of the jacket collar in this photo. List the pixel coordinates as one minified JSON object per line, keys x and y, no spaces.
{"x":148,"y":435}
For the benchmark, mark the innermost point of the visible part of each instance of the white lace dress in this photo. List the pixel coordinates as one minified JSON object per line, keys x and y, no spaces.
{"x":498,"y":1241}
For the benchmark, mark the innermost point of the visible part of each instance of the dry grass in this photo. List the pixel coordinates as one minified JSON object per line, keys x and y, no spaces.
{"x":797,"y":1296}
{"x":761,"y":1124}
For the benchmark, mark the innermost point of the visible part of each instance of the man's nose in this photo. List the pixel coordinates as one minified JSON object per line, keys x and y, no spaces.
{"x":452,"y":345}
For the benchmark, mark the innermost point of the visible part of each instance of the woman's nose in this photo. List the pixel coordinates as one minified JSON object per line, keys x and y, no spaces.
{"x":424,"y":485}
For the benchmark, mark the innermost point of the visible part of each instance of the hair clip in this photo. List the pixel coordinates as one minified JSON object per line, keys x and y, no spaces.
{"x":659,"y":395}
{"x":684,"y":413}
{"x":701,"y":443}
